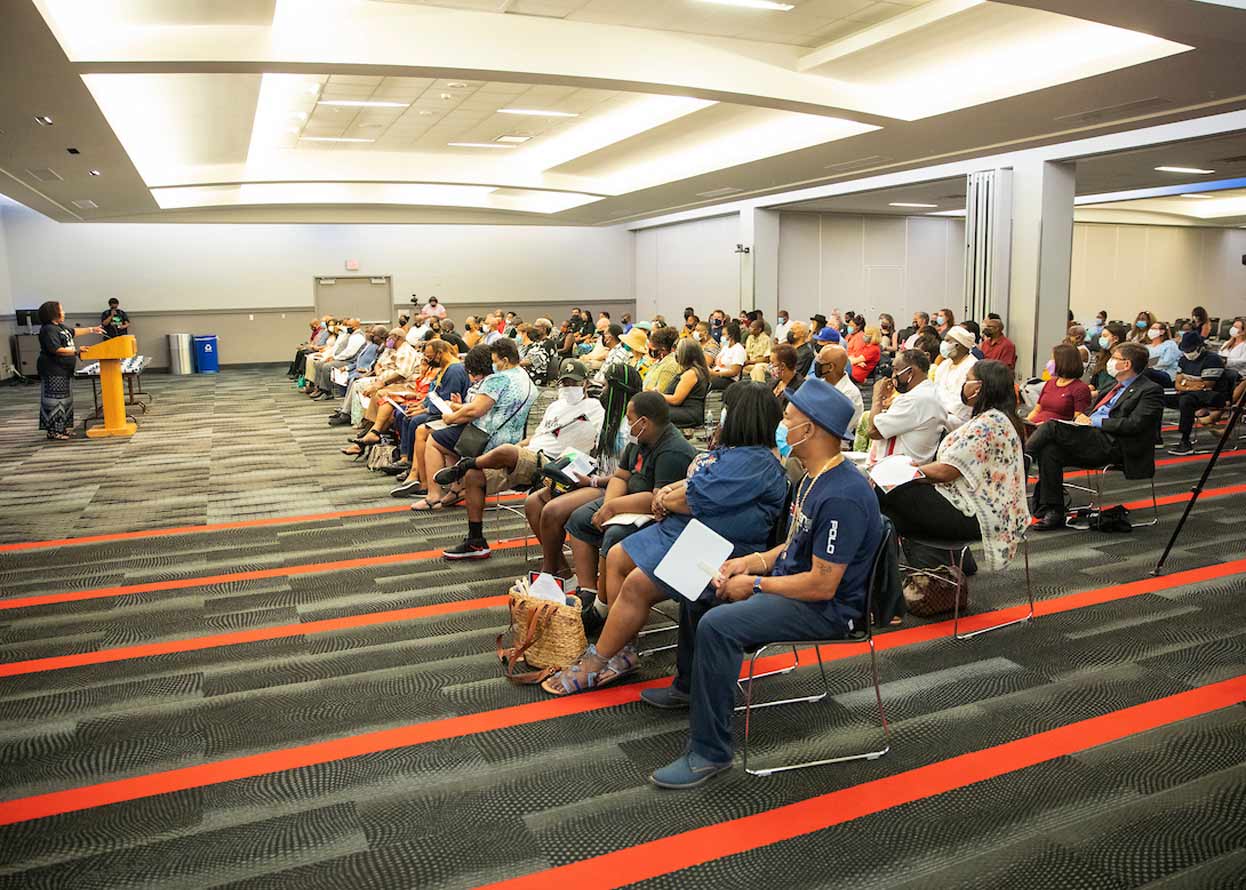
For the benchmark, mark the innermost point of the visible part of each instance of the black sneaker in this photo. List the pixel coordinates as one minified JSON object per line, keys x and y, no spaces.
{"x":339,"y":419}
{"x":397,"y":469}
{"x":593,"y":622}
{"x":1182,"y":447}
{"x":469,"y":549}
{"x":409,"y":489}
{"x":447,"y":476}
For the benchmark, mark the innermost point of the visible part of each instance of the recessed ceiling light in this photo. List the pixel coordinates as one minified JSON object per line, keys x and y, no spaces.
{"x":513,"y":139}
{"x":911,"y":204}
{"x":423,"y":113}
{"x":334,"y":139}
{"x":43,"y":120}
{"x":1196,"y":195}
{"x":537,"y":112}
{"x":1197,"y":170}
{"x":456,"y":85}
{"x":363,"y":103}
{"x":479,"y":145}
{"x":754,"y":4}
{"x":313,"y":88}
{"x":94,"y":172}
{"x":446,"y":97}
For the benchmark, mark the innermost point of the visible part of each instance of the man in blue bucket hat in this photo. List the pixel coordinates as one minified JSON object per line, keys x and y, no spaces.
{"x":812,"y":586}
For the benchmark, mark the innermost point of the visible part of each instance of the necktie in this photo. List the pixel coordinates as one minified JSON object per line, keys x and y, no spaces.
{"x":1111,"y":393}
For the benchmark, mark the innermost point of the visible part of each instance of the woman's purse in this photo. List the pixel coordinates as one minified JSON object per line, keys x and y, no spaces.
{"x":544,"y":635}
{"x":473,"y":440}
{"x":934,"y":592}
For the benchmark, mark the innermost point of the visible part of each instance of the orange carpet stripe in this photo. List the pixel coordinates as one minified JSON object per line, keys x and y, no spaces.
{"x":119,"y":790}
{"x":253,"y":575}
{"x":370,"y":511}
{"x":690,"y":848}
{"x":218,"y":526}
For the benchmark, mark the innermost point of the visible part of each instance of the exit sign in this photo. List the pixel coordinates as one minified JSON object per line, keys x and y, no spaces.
{"x":352,"y":265}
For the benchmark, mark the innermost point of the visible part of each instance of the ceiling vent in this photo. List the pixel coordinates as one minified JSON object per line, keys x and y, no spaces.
{"x":719,"y":193}
{"x":1117,"y":112}
{"x":859,"y":163}
{"x":46,"y":174}
{"x":1238,"y":159}
{"x":86,"y":205}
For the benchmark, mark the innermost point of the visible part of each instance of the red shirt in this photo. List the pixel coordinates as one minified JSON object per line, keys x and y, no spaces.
{"x":1000,"y":350}
{"x":1062,"y":402}
{"x":871,"y":353}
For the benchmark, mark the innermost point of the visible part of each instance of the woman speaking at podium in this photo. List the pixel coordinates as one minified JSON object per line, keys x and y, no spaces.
{"x":58,"y":356}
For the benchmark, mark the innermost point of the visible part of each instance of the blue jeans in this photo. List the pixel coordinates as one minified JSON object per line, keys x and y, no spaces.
{"x":712,"y":642}
{"x":406,"y":431}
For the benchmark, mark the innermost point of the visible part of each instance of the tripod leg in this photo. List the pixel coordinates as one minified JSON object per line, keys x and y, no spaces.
{"x":1235,"y":414}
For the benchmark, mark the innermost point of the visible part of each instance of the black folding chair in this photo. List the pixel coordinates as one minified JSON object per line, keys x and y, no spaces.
{"x":859,"y":636}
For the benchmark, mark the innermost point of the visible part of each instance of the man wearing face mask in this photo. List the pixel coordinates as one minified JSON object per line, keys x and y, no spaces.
{"x":996,"y":346}
{"x":1201,"y":383}
{"x":366,"y":365}
{"x":781,"y":329}
{"x":810,"y":587}
{"x":657,"y":454}
{"x":906,"y":414}
{"x":350,"y":340}
{"x":1120,"y":429}
{"x":910,"y":334}
{"x":953,"y":371}
{"x":831,"y":366}
{"x":571,"y":421}
{"x":798,"y":337}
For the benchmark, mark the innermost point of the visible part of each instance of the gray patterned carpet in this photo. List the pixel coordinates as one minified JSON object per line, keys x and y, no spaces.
{"x":521,"y":791}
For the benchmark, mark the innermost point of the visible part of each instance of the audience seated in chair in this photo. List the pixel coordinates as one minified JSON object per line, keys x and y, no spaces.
{"x":451,"y":379}
{"x":906,"y":414}
{"x":832,"y":366}
{"x":1120,"y":430}
{"x":1202,"y":384}
{"x":499,"y":408}
{"x":665,"y":369}
{"x":1064,"y":395}
{"x":685,"y":394}
{"x":811,"y":586}
{"x":731,"y":358}
{"x":974,"y":489}
{"x":657,"y":455}
{"x":952,"y":370}
{"x":784,"y":374}
{"x":572,"y":421}
{"x":549,"y":508}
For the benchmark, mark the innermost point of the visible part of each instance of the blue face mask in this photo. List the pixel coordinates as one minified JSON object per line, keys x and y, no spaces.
{"x":852,"y":328}
{"x":1140,"y":324}
{"x":495,"y":367}
{"x":780,"y":439}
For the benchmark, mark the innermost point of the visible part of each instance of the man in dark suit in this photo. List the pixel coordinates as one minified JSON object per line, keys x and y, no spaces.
{"x":1120,"y":429}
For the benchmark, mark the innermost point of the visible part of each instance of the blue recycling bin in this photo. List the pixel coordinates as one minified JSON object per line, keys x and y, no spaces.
{"x":207,"y":361}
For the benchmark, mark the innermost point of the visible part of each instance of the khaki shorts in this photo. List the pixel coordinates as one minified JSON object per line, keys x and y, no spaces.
{"x":524,"y":474}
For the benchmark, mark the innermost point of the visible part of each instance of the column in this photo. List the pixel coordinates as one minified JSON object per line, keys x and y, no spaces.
{"x":1041,"y":262}
{"x":759,"y":268}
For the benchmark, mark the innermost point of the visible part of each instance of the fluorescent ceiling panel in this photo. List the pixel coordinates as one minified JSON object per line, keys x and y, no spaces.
{"x":981,"y":53}
{"x":343,"y":193}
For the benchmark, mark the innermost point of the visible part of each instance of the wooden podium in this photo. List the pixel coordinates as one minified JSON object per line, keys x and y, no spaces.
{"x":109,"y":354}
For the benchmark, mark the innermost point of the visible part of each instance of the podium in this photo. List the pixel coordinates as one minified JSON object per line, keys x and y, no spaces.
{"x":109,"y":354}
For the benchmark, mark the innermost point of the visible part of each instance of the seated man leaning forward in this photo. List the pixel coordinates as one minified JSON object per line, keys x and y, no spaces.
{"x":811,"y":587}
{"x":571,"y":421}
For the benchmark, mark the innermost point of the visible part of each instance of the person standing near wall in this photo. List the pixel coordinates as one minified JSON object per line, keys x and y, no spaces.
{"x":114,"y":320}
{"x":58,"y":356}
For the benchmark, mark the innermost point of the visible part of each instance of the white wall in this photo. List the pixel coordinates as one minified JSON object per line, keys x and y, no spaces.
{"x":870,"y":264}
{"x":162,"y":267}
{"x":1165,"y":269}
{"x":688,"y":264}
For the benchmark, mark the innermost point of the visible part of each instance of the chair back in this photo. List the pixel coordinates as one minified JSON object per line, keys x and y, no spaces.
{"x":778,"y":531}
{"x":874,"y":582}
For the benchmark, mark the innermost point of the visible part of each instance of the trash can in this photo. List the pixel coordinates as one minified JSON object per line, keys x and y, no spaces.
{"x":181,"y":356}
{"x":206,"y":359}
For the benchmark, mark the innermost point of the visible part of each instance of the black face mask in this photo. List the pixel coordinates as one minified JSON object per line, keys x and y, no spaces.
{"x":901,"y":379}
{"x":791,"y":338}
{"x":817,"y":369}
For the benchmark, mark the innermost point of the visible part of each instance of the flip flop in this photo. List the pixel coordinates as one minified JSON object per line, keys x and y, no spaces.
{"x":452,"y":498}
{"x":428,"y":505}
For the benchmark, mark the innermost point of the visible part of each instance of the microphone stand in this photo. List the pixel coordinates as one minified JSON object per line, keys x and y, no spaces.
{"x":1235,"y":414}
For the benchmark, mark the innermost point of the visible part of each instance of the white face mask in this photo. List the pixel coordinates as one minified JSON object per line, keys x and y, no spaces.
{"x":945,"y":349}
{"x":1191,"y":355}
{"x":1114,"y":367}
{"x":1235,"y":331}
{"x":1155,"y":333}
{"x":573,"y":395}
{"x":630,"y":437}
{"x":722,"y":418}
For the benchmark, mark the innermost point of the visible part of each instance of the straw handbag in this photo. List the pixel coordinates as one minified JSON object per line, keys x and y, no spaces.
{"x":543,"y":634}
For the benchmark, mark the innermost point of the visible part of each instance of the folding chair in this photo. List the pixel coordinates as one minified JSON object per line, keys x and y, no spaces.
{"x":1094,"y":488}
{"x":860,"y":636}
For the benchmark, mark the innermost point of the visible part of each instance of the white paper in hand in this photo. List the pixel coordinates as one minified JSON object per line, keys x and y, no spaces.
{"x":637,"y":519}
{"x":439,"y":403}
{"x":894,"y":471}
{"x":693,"y":560}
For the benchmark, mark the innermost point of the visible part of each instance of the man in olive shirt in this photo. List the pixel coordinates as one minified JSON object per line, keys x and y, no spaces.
{"x":113,"y":320}
{"x":657,"y":454}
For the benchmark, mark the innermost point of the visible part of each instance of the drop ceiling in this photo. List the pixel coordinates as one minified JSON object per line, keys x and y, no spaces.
{"x":396,"y":110}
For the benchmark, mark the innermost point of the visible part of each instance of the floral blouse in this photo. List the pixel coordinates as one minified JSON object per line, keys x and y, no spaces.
{"x":987,"y":452}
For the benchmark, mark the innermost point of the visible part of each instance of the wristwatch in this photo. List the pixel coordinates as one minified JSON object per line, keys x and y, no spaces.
{"x":756,"y":585}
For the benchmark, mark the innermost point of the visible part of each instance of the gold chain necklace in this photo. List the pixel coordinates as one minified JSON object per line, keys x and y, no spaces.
{"x":799,"y":505}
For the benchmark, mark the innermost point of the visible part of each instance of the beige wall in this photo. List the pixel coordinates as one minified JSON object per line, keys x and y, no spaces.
{"x":870,"y":264}
{"x":688,"y":264}
{"x":1165,"y":269}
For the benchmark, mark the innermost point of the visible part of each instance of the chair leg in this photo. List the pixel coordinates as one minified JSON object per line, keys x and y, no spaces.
{"x":784,"y":670}
{"x":1029,"y":591}
{"x":665,"y":628}
{"x":1154,"y":520}
{"x":865,"y":755}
